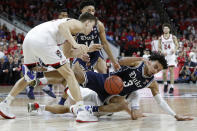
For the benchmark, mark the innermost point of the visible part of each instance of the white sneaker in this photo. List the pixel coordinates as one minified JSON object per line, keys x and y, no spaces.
{"x":28,"y":74}
{"x":4,"y":111}
{"x":74,"y":109}
{"x":85,"y":114}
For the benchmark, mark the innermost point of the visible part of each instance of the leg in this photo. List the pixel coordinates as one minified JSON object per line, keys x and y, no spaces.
{"x":101,"y":66}
{"x":116,"y":104}
{"x":69,"y":76}
{"x":165,"y":81}
{"x":57,"y":109}
{"x":171,"y":79}
{"x":4,"y":105}
{"x":79,"y":74}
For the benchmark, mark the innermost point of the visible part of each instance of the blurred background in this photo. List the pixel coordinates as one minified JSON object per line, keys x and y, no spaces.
{"x":132,"y":28}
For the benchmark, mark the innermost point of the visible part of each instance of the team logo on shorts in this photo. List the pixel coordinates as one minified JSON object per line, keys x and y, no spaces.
{"x":58,"y":53}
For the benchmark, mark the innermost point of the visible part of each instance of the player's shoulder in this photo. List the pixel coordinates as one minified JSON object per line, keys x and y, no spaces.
{"x":100,"y":25}
{"x":136,"y":64}
{"x":173,"y":36}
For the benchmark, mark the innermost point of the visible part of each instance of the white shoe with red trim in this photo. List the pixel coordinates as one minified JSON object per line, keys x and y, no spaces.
{"x":85,"y":114}
{"x":4,"y":111}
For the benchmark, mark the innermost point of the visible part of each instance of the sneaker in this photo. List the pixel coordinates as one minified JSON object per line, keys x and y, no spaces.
{"x":30,"y":92}
{"x":28,"y":74}
{"x":85,"y":114}
{"x":4,"y":111}
{"x":63,"y":100}
{"x":171,"y":90}
{"x":48,"y":90}
{"x":165,"y":88}
{"x":32,"y":107}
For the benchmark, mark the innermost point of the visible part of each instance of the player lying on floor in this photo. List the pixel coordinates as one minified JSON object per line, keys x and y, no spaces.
{"x":98,"y":108}
{"x":135,"y":76}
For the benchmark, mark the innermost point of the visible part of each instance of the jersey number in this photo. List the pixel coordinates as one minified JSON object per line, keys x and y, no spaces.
{"x":167,"y":46}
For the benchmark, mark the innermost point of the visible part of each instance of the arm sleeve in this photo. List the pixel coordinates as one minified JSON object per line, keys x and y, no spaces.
{"x":134,"y":100}
{"x":162,"y":103}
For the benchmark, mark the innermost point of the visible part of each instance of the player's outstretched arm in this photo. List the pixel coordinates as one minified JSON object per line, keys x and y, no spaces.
{"x":162,"y":103}
{"x":106,"y":46}
{"x":131,"y":61}
{"x":70,"y":27}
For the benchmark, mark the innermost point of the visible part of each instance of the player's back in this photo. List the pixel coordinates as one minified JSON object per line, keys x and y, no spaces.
{"x":48,"y":29}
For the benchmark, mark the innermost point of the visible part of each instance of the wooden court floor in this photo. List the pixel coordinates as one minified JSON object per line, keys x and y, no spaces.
{"x":184,"y":102}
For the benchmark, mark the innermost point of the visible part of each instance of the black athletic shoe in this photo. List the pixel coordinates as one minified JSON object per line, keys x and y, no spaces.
{"x":165,"y":88}
{"x":171,"y":90}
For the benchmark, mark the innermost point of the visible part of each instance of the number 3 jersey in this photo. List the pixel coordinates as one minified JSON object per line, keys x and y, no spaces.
{"x":133,"y":78}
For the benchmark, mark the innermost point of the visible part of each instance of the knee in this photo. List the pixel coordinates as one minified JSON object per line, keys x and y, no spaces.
{"x":67,"y":71}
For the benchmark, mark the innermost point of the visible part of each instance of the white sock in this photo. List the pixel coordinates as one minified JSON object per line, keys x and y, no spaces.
{"x":42,"y":107}
{"x":43,"y":80}
{"x":165,"y":83}
{"x":8,"y":99}
{"x":172,"y":85}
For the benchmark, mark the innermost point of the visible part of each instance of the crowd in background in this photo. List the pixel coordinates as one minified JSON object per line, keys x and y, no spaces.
{"x":130,"y":24}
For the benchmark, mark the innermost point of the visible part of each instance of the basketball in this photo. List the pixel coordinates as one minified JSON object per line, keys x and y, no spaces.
{"x":113,"y":85}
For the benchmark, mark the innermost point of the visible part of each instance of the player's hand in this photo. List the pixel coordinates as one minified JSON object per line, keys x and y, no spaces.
{"x":94,"y":47}
{"x":85,"y":57}
{"x":84,"y":49}
{"x":116,"y":66}
{"x":165,"y":53}
{"x":172,"y":51}
{"x":146,"y":61}
{"x":133,"y":115}
{"x":183,"y":118}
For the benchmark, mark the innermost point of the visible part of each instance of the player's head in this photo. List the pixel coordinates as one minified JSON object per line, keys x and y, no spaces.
{"x":87,"y":6}
{"x":166,"y":28}
{"x":63,"y":14}
{"x":89,"y":21}
{"x":158,"y":63}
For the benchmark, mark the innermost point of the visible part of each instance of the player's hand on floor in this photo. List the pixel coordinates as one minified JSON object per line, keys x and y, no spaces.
{"x":133,"y":115}
{"x":183,"y":118}
{"x":94,"y":47}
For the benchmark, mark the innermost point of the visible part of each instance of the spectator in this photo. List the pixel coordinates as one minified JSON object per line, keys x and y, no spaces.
{"x":184,"y":75}
{"x":194,"y":75}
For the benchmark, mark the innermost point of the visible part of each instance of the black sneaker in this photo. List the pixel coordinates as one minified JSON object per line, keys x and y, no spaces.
{"x":171,"y":90}
{"x":165,"y":88}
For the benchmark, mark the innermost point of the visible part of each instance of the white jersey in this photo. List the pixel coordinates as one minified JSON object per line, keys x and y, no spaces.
{"x":51,"y":29}
{"x":167,"y":44}
{"x":193,"y":57}
{"x":154,"y":45}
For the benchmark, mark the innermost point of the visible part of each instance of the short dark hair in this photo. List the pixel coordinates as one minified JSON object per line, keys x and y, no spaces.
{"x":155,"y":56}
{"x":87,"y":16}
{"x":86,"y":3}
{"x":166,"y":25}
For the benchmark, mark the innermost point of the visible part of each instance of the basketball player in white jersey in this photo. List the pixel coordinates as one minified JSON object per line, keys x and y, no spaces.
{"x":168,"y":45}
{"x":96,"y":37}
{"x":42,"y":42}
{"x":154,"y":44}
